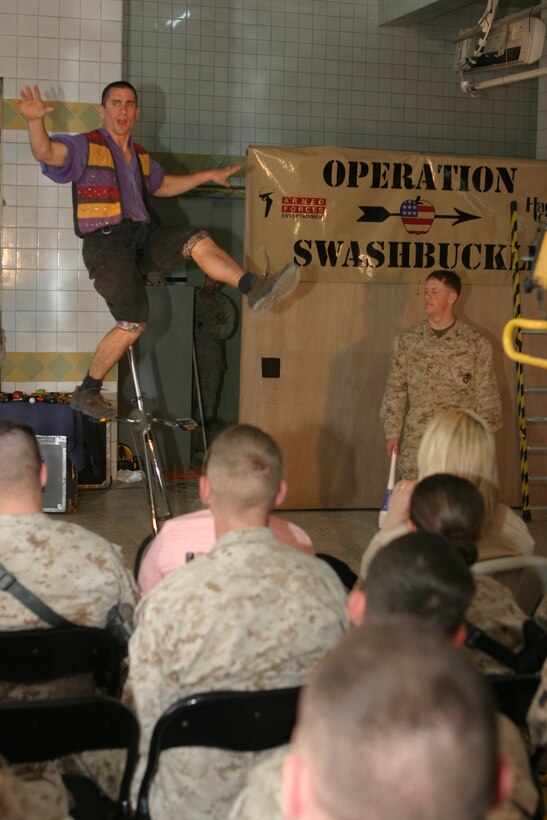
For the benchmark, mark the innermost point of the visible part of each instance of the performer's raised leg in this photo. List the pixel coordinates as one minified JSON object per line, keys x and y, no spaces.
{"x":262,"y":291}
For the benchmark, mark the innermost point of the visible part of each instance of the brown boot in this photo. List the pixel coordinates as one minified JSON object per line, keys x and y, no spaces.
{"x":91,"y":403}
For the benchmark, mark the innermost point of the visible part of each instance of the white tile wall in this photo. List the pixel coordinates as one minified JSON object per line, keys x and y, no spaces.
{"x":72,"y":49}
{"x":310,"y":72}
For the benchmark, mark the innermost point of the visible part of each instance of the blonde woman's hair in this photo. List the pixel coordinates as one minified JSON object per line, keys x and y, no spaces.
{"x":461,"y":443}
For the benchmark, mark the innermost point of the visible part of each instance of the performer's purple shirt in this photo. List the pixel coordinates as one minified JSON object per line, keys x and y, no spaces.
{"x":129,"y":176}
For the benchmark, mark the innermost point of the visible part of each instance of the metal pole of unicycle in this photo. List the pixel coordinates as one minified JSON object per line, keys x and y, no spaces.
{"x":197,"y":384}
{"x":151,"y":462}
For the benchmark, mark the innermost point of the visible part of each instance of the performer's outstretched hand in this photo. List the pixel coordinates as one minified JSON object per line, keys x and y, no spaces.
{"x":33,"y":108}
{"x":31,"y":104}
{"x":221,"y":176}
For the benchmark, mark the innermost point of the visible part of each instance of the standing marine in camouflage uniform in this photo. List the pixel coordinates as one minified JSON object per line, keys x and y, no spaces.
{"x":438,"y":364}
{"x":251,"y":614}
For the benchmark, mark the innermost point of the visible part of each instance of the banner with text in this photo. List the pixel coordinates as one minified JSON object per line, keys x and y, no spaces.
{"x":352,"y":215}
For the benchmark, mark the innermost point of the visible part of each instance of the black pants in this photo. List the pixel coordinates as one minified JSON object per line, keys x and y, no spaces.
{"x":119,"y":260}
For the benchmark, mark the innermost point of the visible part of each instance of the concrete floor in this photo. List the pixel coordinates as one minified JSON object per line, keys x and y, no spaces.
{"x":122,"y":515}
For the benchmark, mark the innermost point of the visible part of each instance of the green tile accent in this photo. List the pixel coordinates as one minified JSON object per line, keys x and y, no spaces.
{"x":31,"y":367}
{"x":7,"y":369}
{"x":62,"y":117}
{"x":11,"y":119}
{"x":66,"y":116}
{"x":49,"y":367}
{"x":90,"y":118}
{"x":60,"y":367}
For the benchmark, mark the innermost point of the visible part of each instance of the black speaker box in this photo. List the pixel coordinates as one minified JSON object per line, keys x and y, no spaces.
{"x":61,"y":491}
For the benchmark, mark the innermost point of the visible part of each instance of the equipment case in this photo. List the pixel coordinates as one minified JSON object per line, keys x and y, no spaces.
{"x":61,"y":491}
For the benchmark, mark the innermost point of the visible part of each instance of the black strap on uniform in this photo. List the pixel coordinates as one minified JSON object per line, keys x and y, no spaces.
{"x":9,"y":583}
{"x":477,"y":639}
{"x":530,"y":659}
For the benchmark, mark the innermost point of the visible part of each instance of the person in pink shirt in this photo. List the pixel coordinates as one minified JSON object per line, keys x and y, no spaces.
{"x":186,"y":537}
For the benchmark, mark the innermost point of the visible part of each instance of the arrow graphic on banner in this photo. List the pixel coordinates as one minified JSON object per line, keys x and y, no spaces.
{"x":377,"y":213}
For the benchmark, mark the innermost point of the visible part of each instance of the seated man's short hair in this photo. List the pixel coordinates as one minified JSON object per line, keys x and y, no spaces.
{"x":243,"y":466}
{"x":423,"y":575}
{"x":396,"y":722}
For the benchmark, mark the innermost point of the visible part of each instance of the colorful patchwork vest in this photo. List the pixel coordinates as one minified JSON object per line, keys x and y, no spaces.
{"x":96,"y":195}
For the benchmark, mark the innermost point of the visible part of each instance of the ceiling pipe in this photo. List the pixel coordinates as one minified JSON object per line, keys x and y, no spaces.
{"x":521,"y":76}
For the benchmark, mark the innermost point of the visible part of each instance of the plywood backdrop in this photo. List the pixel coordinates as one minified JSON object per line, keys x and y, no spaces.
{"x":334,"y":342}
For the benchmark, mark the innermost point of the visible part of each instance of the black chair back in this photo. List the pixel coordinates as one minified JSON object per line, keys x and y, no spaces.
{"x":37,"y":730}
{"x":348,"y":577}
{"x":237,"y":721}
{"x":39,"y":655}
{"x":513,"y":695}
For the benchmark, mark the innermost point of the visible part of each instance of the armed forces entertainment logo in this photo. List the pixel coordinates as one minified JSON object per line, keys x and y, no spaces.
{"x":295,"y":207}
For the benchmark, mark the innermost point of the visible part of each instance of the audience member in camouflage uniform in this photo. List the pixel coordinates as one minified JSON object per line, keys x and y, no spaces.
{"x":461,"y":443}
{"x":420,"y":575}
{"x":453,"y":507}
{"x":437,"y":364}
{"x":367,"y":741}
{"x":185,"y":537}
{"x":32,"y":792}
{"x":252,"y":614}
{"x":262,"y":795}
{"x":75,"y":572}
